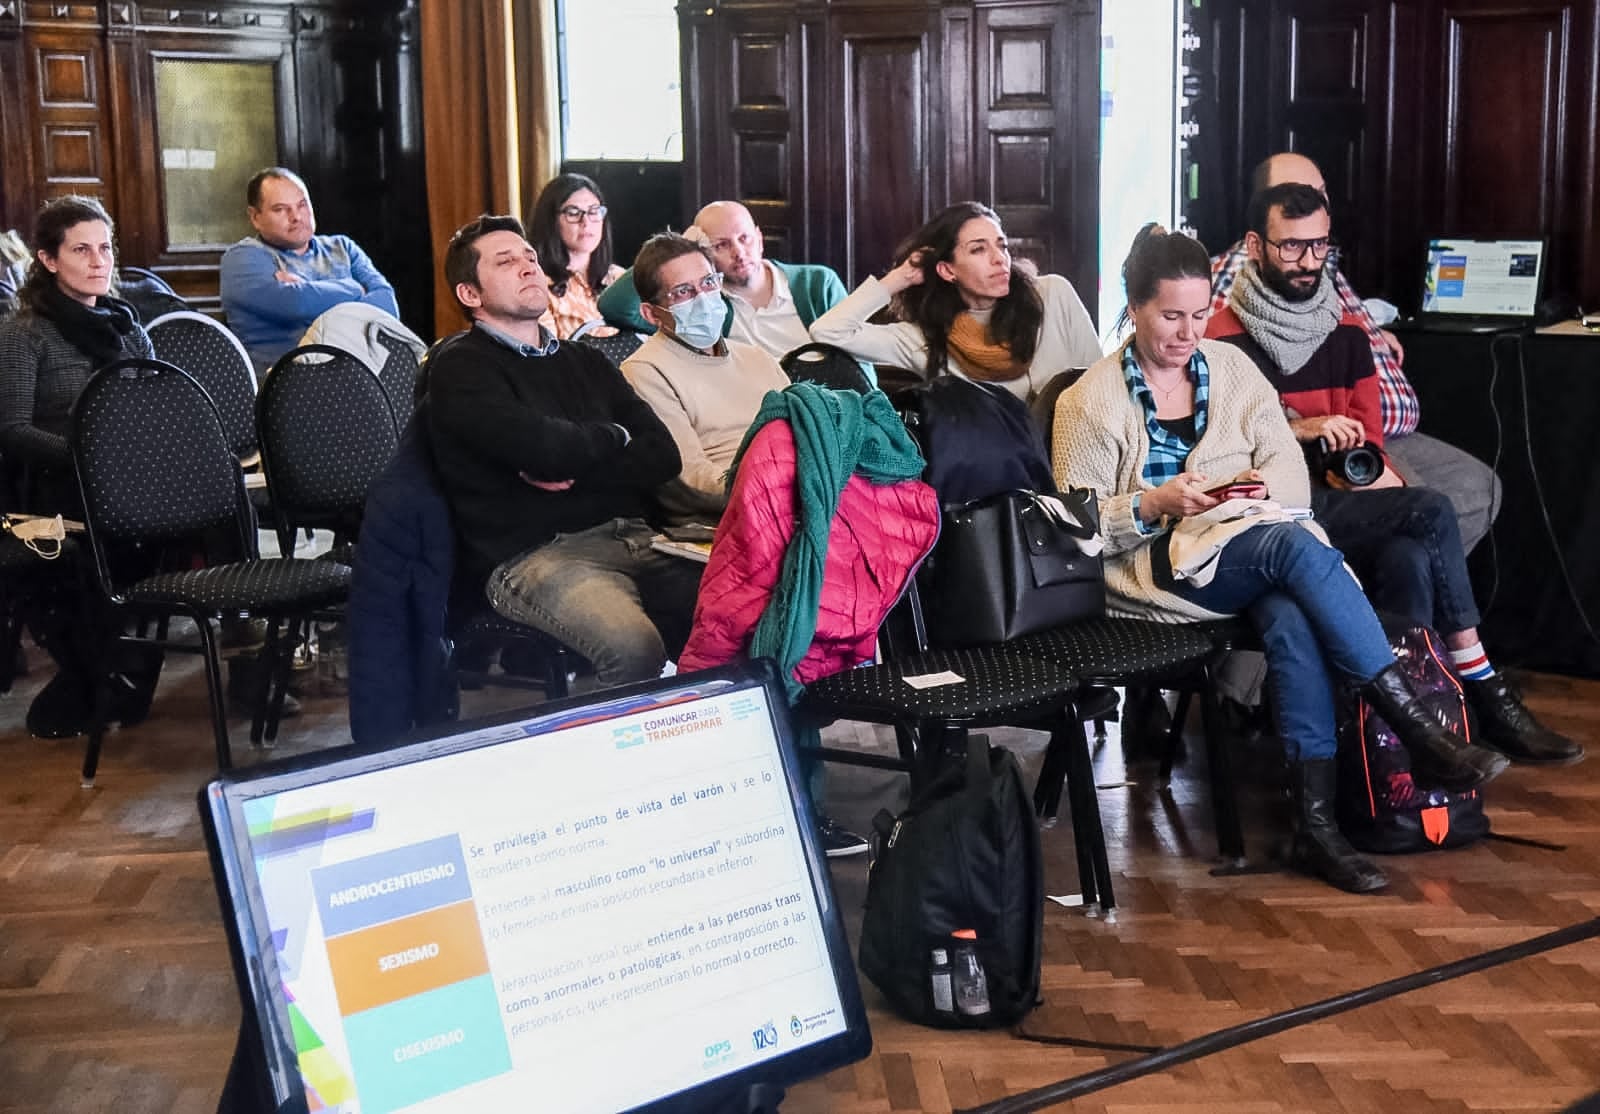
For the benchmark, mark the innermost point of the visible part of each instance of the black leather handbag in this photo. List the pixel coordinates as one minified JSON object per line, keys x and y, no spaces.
{"x":1013,"y":564}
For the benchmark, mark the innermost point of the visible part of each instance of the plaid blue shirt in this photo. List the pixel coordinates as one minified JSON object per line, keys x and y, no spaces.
{"x":1396,"y":398}
{"x":1168,"y":452}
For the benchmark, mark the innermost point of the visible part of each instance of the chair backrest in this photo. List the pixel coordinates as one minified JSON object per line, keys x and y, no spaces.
{"x":399,"y":375}
{"x":326,"y":430}
{"x":209,"y":351}
{"x":1043,"y":406}
{"x":153,"y":460}
{"x":825,"y":365}
{"x":149,"y":293}
{"x":615,"y":348}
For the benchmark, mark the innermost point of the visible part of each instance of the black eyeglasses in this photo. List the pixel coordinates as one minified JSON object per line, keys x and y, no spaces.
{"x":574,"y":215}
{"x":686,"y":290}
{"x":1292,"y":251}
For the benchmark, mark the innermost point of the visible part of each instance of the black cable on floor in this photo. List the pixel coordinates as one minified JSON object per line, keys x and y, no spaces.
{"x":1232,"y":1037}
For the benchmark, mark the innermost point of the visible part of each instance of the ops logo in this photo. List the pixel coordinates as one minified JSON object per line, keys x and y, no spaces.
{"x":765,"y":1037}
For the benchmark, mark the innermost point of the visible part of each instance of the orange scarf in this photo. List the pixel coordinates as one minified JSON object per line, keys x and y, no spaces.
{"x":981,"y":357}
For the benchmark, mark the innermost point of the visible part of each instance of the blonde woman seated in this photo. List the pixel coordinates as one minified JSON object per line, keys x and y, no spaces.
{"x":965,"y":306}
{"x":1154,"y":428}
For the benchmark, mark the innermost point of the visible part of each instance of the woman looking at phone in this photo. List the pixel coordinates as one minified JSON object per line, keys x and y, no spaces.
{"x":1153,"y":429}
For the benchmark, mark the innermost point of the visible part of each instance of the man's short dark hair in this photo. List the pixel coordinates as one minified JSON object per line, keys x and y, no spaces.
{"x":252,"y":188}
{"x":1296,"y":199}
{"x":657,"y":252}
{"x":461,"y":257}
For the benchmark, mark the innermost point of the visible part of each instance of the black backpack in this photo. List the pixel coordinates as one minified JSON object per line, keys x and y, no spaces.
{"x":978,"y":439}
{"x":1381,"y":807}
{"x":963,"y":857}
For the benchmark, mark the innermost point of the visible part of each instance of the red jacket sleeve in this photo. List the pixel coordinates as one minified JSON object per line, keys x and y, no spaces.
{"x":747,"y":553}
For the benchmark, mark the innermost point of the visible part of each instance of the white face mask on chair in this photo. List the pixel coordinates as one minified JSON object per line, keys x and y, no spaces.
{"x":42,"y":535}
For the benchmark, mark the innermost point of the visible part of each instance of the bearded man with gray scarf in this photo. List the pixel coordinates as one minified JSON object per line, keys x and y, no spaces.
{"x":1404,"y":542}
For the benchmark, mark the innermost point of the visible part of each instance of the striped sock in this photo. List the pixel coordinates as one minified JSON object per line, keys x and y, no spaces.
{"x":1472,"y":664}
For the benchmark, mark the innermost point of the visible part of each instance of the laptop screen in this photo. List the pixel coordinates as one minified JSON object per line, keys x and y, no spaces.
{"x":1483,"y":278}
{"x":602,"y":906}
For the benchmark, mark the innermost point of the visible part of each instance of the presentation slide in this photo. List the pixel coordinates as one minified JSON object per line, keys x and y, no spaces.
{"x":1482,"y":277}
{"x":581,"y":920}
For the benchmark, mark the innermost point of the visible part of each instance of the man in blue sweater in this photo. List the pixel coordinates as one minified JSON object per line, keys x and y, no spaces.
{"x":277,"y":282}
{"x":770,"y":304}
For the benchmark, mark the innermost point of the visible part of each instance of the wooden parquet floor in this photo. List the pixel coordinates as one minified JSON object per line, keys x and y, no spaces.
{"x":116,"y":993}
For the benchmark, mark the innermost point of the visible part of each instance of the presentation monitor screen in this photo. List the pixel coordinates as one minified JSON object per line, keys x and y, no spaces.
{"x":601,"y":904}
{"x":1483,"y":278}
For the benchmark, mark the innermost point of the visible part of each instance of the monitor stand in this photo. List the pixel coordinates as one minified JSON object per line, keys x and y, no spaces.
{"x":758,"y":1098}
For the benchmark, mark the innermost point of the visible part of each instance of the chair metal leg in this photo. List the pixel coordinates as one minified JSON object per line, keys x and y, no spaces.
{"x":1052,"y":774}
{"x":1087,"y":832}
{"x":101,"y":702}
{"x":280,"y":664}
{"x":1224,"y":802}
{"x":1174,"y":739}
{"x":216,"y":690}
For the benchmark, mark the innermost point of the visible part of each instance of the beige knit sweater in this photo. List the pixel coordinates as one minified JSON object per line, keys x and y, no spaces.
{"x":1100,"y":442}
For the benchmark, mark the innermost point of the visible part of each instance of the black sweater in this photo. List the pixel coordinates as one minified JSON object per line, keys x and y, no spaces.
{"x":494,"y":414}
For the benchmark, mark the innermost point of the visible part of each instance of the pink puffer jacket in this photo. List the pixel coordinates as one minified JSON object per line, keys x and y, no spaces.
{"x":880,"y":534}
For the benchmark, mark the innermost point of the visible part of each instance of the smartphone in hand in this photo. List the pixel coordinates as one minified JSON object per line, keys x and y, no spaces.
{"x":1238,"y":489}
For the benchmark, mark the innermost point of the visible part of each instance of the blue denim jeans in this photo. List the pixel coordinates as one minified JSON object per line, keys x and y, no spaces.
{"x":1314,"y":622}
{"x":606,"y":594}
{"x":1405,"y":543}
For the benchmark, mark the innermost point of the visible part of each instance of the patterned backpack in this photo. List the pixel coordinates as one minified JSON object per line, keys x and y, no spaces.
{"x":1381,"y":807}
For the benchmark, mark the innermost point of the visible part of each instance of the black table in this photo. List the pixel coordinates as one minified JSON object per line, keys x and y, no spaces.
{"x":1530,"y":404}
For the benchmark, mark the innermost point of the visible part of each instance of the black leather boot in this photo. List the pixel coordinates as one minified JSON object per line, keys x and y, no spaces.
{"x":1510,"y":728}
{"x":1438,"y":756}
{"x":1319,"y":848}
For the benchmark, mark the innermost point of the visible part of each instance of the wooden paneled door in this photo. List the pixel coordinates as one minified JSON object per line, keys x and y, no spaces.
{"x":845,"y":125}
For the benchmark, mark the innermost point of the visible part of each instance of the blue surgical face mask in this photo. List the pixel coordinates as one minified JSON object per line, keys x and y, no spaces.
{"x":698,"y":322}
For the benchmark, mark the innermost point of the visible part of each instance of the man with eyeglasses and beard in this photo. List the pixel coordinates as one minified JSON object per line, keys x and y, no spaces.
{"x":1421,"y":460}
{"x":705,"y":389}
{"x":1404,"y":542}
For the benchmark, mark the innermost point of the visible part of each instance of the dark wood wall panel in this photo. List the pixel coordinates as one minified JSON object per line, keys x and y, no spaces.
{"x":883,"y":110}
{"x":1427,"y":116}
{"x":78,"y":109}
{"x":1504,"y":106}
{"x":845,"y":124}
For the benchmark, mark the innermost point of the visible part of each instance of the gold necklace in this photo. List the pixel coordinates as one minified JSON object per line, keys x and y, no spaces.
{"x":1167,"y":392}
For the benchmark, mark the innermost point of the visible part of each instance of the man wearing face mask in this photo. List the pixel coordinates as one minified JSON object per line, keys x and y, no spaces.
{"x":706,"y":390}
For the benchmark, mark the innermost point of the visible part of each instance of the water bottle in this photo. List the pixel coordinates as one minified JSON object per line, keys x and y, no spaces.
{"x":943,"y":998}
{"x":971,"y":985}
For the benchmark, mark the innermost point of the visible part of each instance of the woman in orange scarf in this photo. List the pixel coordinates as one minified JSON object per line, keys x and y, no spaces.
{"x":966,"y":307}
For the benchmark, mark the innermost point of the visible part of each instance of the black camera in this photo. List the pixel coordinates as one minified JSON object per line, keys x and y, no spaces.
{"x":1358,"y":467}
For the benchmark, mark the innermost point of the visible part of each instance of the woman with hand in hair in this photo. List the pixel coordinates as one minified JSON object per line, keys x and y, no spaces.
{"x":966,"y":307}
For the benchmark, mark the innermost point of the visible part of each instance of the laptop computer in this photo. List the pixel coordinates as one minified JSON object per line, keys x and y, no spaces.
{"x":1481,"y":286}
{"x":614,"y":902}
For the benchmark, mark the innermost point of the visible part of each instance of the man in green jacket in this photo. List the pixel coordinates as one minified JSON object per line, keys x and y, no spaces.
{"x":770,"y":304}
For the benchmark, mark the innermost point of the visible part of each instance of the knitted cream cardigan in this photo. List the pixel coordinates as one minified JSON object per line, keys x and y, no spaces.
{"x":1100,"y":442}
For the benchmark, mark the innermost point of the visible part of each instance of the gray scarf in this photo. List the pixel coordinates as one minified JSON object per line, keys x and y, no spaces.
{"x":1289,"y":332}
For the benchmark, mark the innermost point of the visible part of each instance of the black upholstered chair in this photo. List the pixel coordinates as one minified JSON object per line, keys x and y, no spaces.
{"x":399,"y":375}
{"x":825,"y":365}
{"x":327,"y":430}
{"x":216,"y":359}
{"x":998,"y":687}
{"x":158,"y":475}
{"x":616,"y":347}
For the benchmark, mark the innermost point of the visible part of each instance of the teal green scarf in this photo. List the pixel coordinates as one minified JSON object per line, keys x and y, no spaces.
{"x":836,"y":434}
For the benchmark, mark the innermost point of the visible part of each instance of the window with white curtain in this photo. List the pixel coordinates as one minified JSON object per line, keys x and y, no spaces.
{"x":621,"y":93}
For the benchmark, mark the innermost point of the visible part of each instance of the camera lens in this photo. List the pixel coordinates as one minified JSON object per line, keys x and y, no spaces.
{"x":1358,"y":467}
